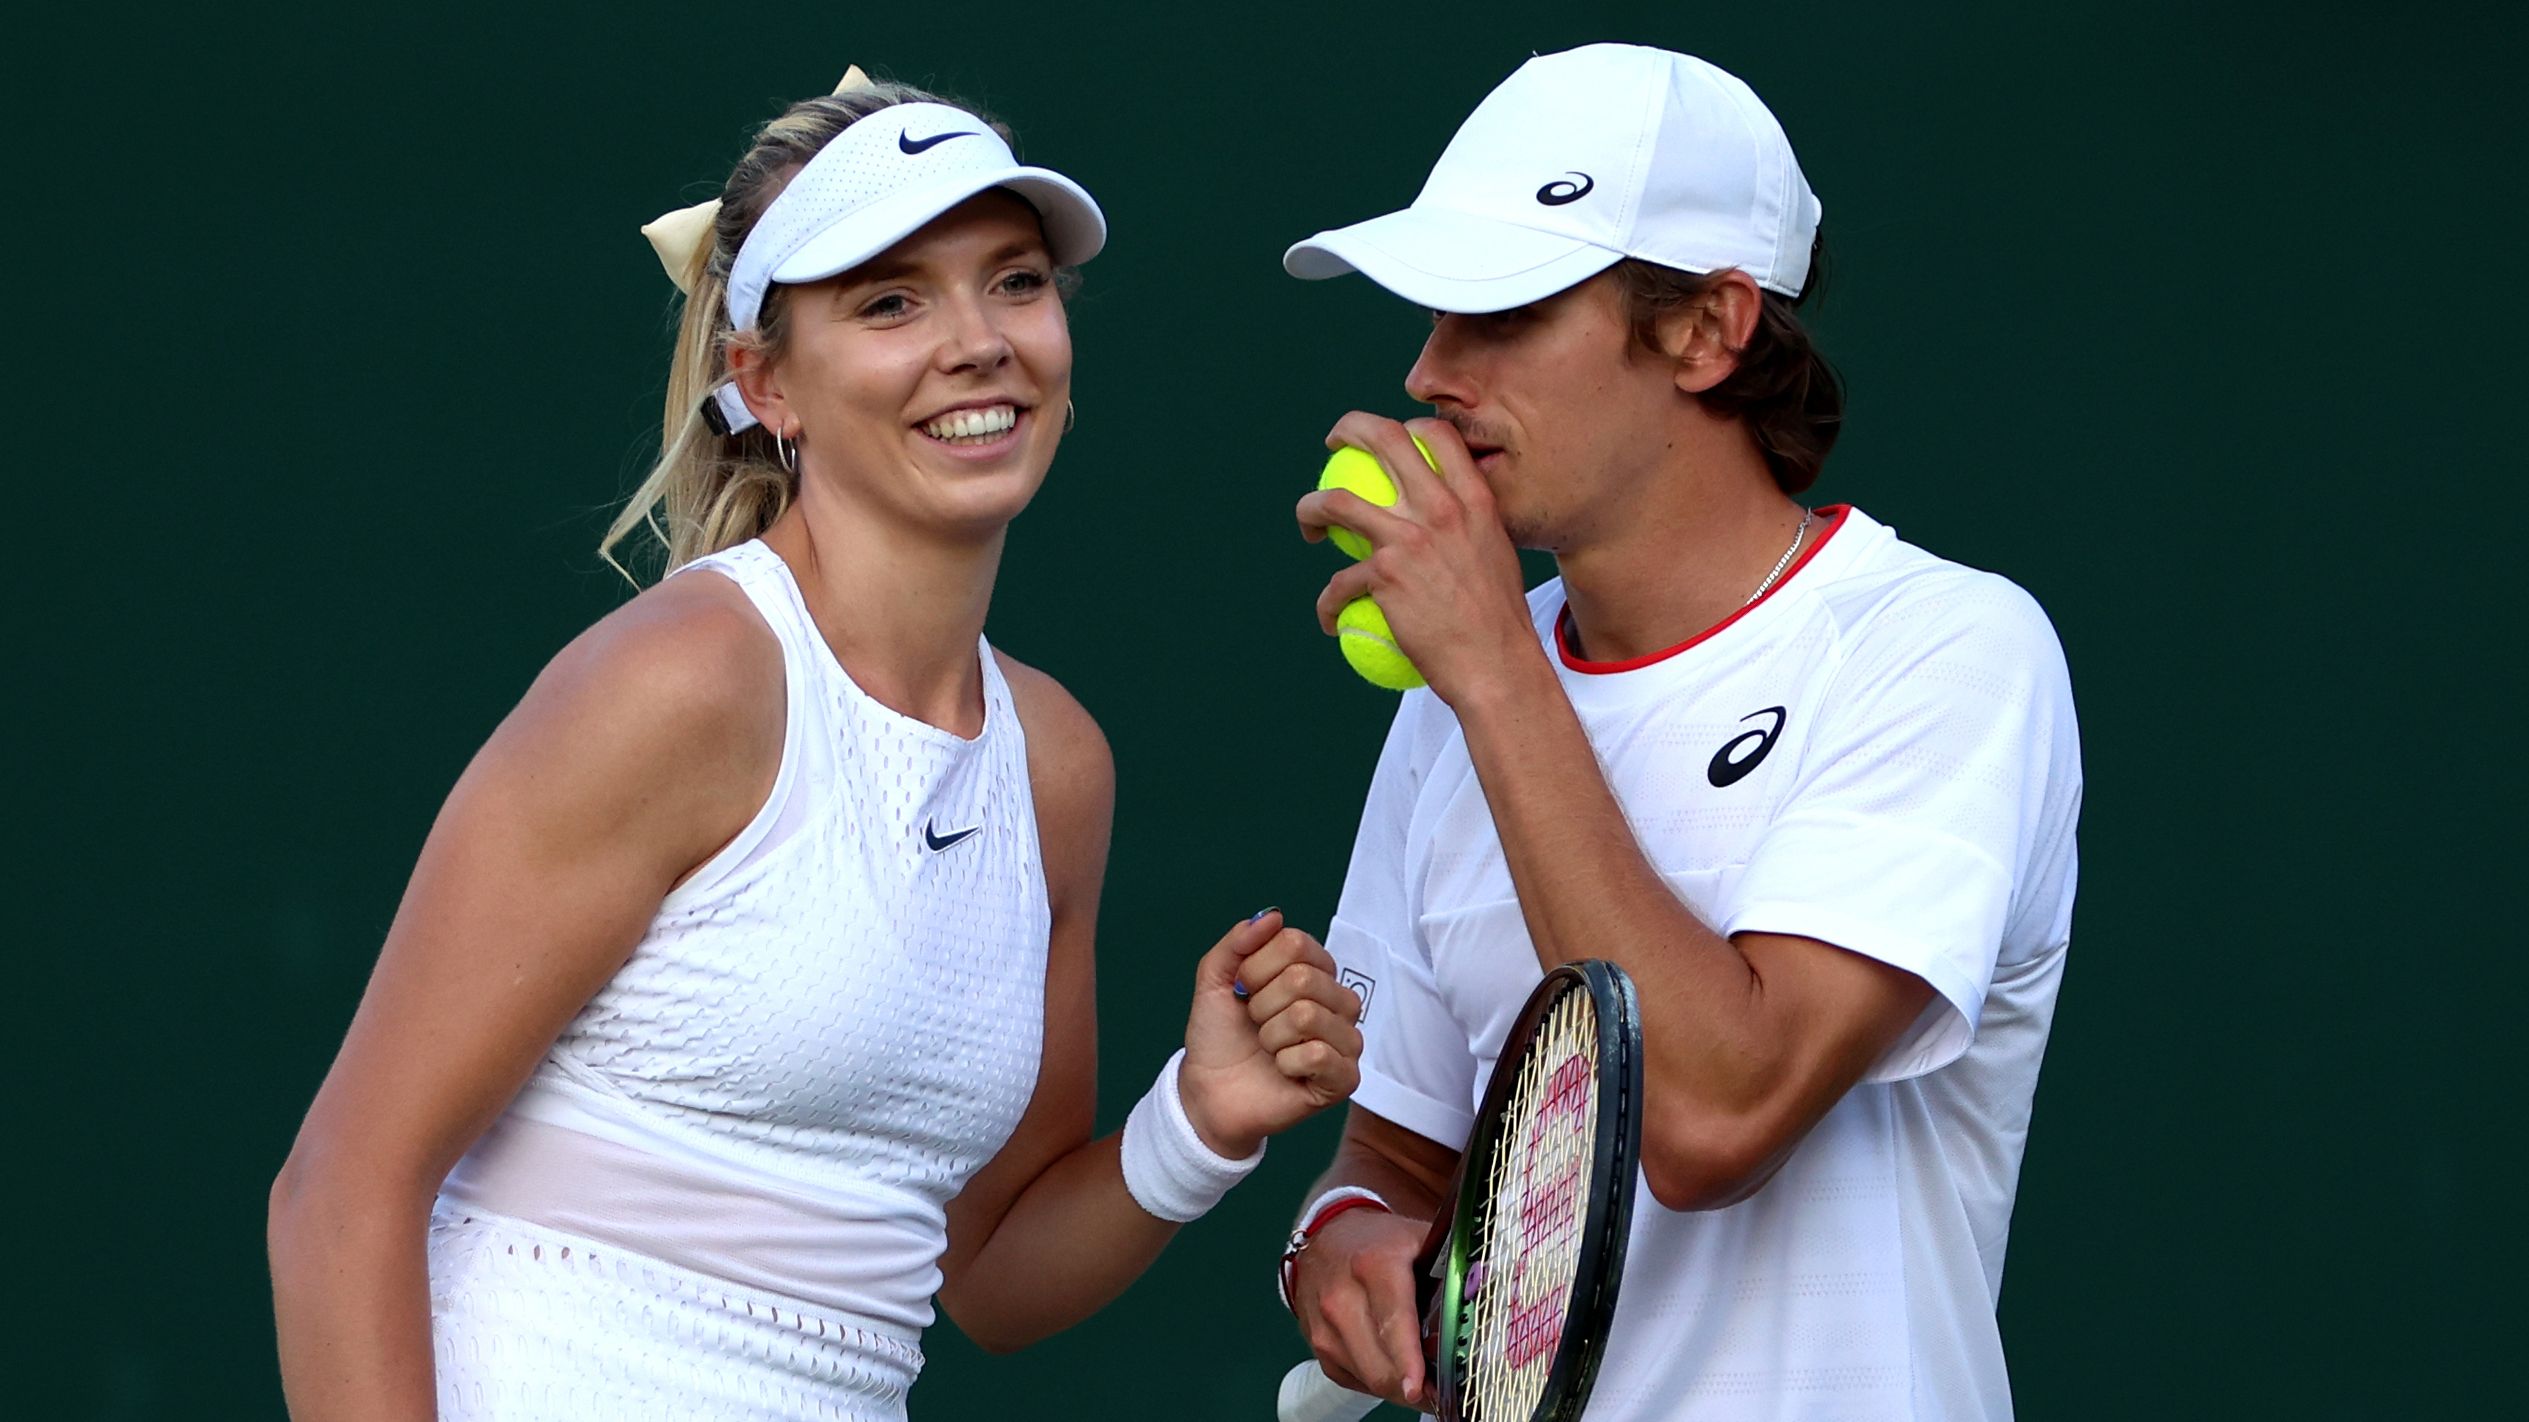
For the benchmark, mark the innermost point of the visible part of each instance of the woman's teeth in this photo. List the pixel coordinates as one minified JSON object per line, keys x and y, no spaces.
{"x":973,"y":426}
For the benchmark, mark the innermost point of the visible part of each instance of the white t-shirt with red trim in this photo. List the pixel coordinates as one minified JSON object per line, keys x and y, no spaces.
{"x":1879,"y":754}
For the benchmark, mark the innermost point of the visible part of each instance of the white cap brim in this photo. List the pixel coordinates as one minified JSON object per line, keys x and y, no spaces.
{"x":1075,"y":229}
{"x":1452,"y":261}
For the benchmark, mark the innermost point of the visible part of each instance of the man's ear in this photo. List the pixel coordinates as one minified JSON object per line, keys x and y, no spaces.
{"x":759,"y":383}
{"x":1706,"y":335}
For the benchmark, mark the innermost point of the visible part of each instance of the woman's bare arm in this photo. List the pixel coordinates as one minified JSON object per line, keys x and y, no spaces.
{"x":646,"y":745}
{"x":1046,"y":1233}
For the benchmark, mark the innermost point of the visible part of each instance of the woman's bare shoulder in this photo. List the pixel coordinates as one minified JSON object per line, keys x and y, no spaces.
{"x":672,"y":702}
{"x":1072,"y":773}
{"x":687,"y":654}
{"x":1063,"y":739}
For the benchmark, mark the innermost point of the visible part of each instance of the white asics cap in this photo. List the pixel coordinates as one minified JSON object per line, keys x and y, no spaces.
{"x":873,"y":186}
{"x":1577,"y":161}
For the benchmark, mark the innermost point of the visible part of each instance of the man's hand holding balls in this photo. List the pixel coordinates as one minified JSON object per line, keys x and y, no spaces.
{"x":1438,"y":583}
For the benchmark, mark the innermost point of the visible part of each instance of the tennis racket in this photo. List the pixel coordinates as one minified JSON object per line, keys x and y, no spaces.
{"x":1519,"y":1273}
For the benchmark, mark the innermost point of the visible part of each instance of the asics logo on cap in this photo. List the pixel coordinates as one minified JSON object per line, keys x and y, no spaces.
{"x":1698,"y":176}
{"x":911,"y":144}
{"x":1561,"y":190}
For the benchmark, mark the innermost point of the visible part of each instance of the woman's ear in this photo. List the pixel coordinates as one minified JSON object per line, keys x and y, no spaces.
{"x":759,"y":383}
{"x":1705,"y":335}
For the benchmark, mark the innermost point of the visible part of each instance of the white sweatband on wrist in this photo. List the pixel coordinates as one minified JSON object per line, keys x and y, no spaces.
{"x":1167,"y":1167}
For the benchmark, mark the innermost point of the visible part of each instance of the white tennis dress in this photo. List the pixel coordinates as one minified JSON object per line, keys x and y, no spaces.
{"x":723,"y":1194}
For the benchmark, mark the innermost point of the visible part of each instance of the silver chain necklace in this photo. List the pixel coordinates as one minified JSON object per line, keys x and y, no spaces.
{"x":1796,"y":535}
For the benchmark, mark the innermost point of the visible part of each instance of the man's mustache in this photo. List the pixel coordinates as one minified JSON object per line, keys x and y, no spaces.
{"x":1473,"y":434}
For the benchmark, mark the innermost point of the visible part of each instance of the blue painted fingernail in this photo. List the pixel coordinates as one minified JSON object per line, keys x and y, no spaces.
{"x":1238,"y":989}
{"x":1260,"y":913}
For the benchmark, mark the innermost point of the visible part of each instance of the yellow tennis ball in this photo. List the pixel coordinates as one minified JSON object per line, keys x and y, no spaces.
{"x":1358,"y":471}
{"x":1370,"y":646}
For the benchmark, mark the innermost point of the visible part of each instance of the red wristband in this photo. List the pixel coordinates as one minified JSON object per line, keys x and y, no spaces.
{"x":1351,"y":1198}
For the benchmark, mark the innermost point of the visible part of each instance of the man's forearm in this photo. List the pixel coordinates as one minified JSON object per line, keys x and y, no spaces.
{"x":1408,"y":1191}
{"x":1746,"y":1044}
{"x":1413,"y":1173}
{"x":1584,"y":885}
{"x":1352,"y":1285}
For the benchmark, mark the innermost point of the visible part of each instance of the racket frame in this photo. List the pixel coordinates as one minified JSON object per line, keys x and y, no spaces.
{"x":1616,"y":1151}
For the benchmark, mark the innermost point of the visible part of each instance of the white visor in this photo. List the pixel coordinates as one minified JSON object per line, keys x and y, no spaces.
{"x":878,"y":183}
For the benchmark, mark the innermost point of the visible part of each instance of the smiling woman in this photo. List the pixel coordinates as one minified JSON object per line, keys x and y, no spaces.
{"x":924,"y":375}
{"x":722,"y":477}
{"x":741,"y":1002}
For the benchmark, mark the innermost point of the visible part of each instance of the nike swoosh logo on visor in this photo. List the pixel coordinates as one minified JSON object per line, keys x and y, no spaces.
{"x":911,"y":144}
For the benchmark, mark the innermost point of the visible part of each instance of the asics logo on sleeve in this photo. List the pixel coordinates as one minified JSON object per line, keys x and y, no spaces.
{"x":1728,"y":766}
{"x":938,"y":841}
{"x":1563,"y":190}
{"x":911,"y":144}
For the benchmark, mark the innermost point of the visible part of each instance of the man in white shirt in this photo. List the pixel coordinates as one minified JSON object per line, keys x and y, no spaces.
{"x":1812,"y":787}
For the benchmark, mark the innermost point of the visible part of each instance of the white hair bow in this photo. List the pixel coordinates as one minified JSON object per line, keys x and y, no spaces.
{"x":680,"y":236}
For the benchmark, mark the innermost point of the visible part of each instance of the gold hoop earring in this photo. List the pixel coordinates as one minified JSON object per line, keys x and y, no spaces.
{"x":1071,"y":416}
{"x":787,"y":451}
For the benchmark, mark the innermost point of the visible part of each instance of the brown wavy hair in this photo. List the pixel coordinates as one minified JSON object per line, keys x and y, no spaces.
{"x":1790,"y":397}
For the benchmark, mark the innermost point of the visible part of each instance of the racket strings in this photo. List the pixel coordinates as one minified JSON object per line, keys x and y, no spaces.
{"x":1529,"y":1236}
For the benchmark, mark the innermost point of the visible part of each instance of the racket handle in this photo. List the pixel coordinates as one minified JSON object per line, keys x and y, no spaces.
{"x":1308,"y":1395}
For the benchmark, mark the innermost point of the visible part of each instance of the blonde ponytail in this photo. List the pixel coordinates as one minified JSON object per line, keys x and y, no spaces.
{"x":707,"y":491}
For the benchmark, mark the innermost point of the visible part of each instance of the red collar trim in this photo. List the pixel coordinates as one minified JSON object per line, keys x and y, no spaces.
{"x":1834,"y":516}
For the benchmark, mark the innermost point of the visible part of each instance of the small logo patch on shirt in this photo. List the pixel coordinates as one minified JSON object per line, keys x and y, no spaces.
{"x":938,"y":841}
{"x":1362,"y":985}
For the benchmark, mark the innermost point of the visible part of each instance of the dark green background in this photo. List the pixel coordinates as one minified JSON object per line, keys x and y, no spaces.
{"x":2197,"y":321}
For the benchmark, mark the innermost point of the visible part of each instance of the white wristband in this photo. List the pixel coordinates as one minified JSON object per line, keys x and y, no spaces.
{"x":1167,"y":1167}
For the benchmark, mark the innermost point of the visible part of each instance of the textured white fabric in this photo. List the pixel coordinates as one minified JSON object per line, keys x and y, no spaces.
{"x":1880,"y":754}
{"x":847,"y":1000}
{"x":530,"y":1323}
{"x":1168,"y":1169}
